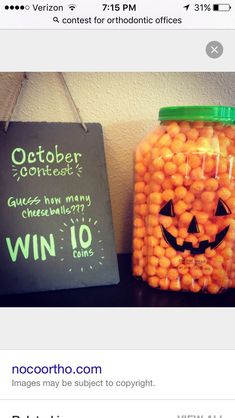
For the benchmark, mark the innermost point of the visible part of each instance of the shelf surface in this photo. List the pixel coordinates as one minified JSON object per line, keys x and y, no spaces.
{"x":130,"y":292}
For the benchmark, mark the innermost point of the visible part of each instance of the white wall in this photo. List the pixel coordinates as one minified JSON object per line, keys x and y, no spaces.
{"x":126,"y":104}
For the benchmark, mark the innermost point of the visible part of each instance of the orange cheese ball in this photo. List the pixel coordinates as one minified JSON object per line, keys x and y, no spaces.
{"x":154,"y":261}
{"x":202,"y":217}
{"x":225,"y":180}
{"x":173,"y":129}
{"x":189,"y":197}
{"x":186,"y":218}
{"x":170,"y":168}
{"x":170,"y":252}
{"x":137,"y":254}
{"x":177,"y":145}
{"x":152,"y":241}
{"x":182,"y":269}
{"x":184,"y":170}
{"x":139,"y":186}
{"x":192,"y":134}
{"x":162,"y":272}
{"x":166,"y":184}
{"x":196,"y":272}
{"x":176,"y":261}
{"x":194,"y":160}
{"x":195,"y":287}
{"x":223,"y":165}
{"x":164,"y":262}
{"x":211,"y":229}
{"x":159,"y":251}
{"x":147,"y":177}
{"x":197,"y":187}
{"x":211,"y":184}
{"x":155,"y":198}
{"x":207,"y":269}
{"x":184,"y":126}
{"x":137,"y":243}
{"x":196,"y":173}
{"x":172,"y":274}
{"x":154,"y":187}
{"x":154,"y":209}
{"x":158,"y":163}
{"x":224,"y":193}
{"x":164,"y":141}
{"x":166,"y":153}
{"x":173,"y":230}
{"x":166,"y":221}
{"x":180,"y":207}
{"x":158,"y":177}
{"x":209,"y":165}
{"x":147,"y":189}
{"x":137,"y":270}
{"x":164,"y":284}
{"x":210,"y":253}
{"x":139,"y":232}
{"x":140,"y":198}
{"x":207,"y":196}
{"x":150,"y":270}
{"x":187,"y":279}
{"x":204,"y":282}
{"x":145,"y":148}
{"x":177,"y":179}
{"x":181,"y":137}
{"x":168,"y":194}
{"x":179,"y":159}
{"x":213,"y":288}
{"x":140,"y":169}
{"x":138,"y":222}
{"x":183,"y":232}
{"x":152,"y":220}
{"x":175,"y":285}
{"x":180,"y":192}
{"x":157,"y":230}
{"x":197,"y":204}
{"x":153,"y":281}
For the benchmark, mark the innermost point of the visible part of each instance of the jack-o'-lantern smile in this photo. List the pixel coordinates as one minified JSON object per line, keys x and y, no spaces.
{"x":221,"y":210}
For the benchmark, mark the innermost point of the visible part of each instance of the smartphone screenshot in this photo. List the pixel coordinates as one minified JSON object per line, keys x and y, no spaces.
{"x":117,"y":208}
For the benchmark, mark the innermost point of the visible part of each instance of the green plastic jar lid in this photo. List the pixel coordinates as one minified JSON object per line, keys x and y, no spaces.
{"x":223,"y":114}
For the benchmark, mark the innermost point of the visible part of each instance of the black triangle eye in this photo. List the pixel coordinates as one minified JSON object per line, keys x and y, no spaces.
{"x":222,"y":209}
{"x":168,"y":209}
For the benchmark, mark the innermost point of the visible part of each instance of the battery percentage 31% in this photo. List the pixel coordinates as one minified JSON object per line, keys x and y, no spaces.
{"x":202,"y":7}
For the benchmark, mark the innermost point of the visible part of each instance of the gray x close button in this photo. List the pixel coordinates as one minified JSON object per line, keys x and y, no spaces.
{"x":214,"y":49}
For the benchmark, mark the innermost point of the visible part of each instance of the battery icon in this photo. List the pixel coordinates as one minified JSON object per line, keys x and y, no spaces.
{"x":222,"y":7}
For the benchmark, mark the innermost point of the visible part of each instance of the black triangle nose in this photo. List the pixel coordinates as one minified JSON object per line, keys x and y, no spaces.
{"x":193,"y":226}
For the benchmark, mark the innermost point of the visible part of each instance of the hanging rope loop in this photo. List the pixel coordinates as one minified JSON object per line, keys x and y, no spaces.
{"x":69,"y":94}
{"x":16,"y":94}
{"x":14,"y":101}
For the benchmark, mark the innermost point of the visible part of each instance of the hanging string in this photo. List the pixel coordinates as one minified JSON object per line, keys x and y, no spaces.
{"x":14,"y":101}
{"x":69,"y":94}
{"x":18,"y":90}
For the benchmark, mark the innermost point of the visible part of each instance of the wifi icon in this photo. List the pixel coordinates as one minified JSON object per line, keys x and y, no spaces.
{"x":72,"y":7}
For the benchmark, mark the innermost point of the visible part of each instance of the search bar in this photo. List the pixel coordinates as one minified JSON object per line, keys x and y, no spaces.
{"x":92,"y":15}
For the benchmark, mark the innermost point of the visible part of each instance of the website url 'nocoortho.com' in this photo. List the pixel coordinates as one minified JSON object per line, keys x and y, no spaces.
{"x":56,"y":369}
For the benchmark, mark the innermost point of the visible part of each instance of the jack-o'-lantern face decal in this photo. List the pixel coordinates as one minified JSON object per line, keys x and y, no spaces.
{"x":168,"y":210}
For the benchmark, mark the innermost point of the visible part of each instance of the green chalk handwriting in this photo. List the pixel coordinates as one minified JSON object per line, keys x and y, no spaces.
{"x":84,"y":236}
{"x":47,"y":206}
{"x":35,"y":243}
{"x":38,"y":163}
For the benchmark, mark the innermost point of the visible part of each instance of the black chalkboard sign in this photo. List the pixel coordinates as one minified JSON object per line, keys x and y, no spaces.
{"x":56,"y":227}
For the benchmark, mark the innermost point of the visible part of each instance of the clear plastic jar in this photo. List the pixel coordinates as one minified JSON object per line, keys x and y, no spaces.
{"x":184,"y":201}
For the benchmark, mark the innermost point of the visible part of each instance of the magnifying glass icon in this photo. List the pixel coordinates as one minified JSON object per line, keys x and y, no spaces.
{"x":56,"y":20}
